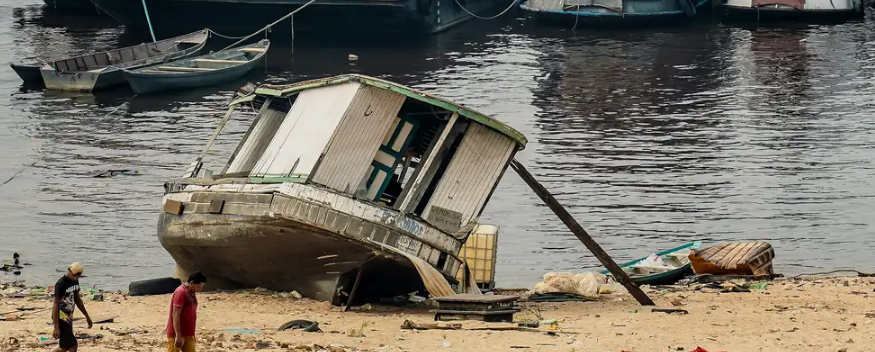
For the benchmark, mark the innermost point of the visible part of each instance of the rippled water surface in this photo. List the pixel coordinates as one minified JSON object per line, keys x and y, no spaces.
{"x":652,"y":138}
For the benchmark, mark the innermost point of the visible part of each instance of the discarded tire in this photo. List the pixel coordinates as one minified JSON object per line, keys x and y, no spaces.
{"x":160,"y":286}
{"x":308,"y":326}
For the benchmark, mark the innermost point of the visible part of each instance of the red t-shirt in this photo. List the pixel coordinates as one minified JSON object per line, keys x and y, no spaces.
{"x":188,"y":302}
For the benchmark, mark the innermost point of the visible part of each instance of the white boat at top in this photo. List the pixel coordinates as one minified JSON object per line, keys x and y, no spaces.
{"x":764,"y":10}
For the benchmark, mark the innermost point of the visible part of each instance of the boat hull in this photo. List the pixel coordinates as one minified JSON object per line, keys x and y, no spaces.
{"x":30,"y":74}
{"x":764,"y":14}
{"x":82,"y":81}
{"x":73,"y":7}
{"x":340,"y":17}
{"x":110,"y":76}
{"x":666,"y":15}
{"x":146,"y":83}
{"x":663,"y":278}
{"x":237,"y":252}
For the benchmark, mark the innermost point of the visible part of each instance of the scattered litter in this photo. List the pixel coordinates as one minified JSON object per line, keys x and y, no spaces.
{"x":584,"y":284}
{"x":241,"y":331}
{"x":558,"y":297}
{"x":669,"y":310}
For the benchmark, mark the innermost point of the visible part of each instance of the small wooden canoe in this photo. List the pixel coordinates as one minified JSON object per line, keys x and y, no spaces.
{"x":205,"y":70}
{"x":677,"y":266}
{"x":741,"y":258}
{"x":88,"y":73}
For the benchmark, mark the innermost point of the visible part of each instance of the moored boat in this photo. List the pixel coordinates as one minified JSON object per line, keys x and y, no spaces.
{"x":602,"y":13}
{"x":30,"y":74}
{"x":200,"y":71}
{"x":777,"y":10}
{"x":74,"y":7}
{"x":343,"y":189}
{"x":338,"y":17}
{"x":88,"y":73}
{"x":663,"y":268}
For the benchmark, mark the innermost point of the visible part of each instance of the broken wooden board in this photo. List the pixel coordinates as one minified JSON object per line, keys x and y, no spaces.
{"x":739,"y":258}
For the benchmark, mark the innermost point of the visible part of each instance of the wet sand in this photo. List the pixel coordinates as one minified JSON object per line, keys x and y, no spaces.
{"x":816,"y":314}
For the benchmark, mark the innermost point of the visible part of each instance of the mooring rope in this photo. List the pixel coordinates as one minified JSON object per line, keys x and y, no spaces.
{"x":225,"y":36}
{"x":512,"y":3}
{"x":271,"y":25}
{"x":149,"y":21}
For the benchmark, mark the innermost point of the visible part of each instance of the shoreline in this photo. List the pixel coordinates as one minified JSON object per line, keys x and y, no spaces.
{"x":805,"y":314}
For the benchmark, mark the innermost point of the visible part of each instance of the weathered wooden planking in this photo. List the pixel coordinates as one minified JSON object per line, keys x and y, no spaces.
{"x":745,"y":258}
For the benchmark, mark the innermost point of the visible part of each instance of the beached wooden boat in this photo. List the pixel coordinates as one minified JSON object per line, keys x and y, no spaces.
{"x":97,"y":71}
{"x":599,"y":13}
{"x":200,"y":71}
{"x":740,"y":258}
{"x":344,"y":189}
{"x":675,"y":266}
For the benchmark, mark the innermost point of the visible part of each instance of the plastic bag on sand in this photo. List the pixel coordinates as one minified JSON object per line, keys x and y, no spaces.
{"x":586,"y":284}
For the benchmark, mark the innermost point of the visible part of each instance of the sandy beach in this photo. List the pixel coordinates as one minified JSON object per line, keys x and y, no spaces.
{"x":813,"y":314}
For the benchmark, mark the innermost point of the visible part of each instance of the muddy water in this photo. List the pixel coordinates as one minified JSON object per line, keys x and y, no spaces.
{"x":651,"y":138}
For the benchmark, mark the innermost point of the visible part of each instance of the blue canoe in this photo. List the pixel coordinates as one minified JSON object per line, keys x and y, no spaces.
{"x":215,"y":68}
{"x":648,"y":275}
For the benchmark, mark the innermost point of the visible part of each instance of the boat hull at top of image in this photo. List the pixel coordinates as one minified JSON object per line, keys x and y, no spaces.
{"x":344,"y":17}
{"x":778,"y":10}
{"x":607,"y":13}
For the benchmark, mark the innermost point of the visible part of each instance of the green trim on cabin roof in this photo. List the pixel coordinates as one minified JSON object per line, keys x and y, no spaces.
{"x":474,"y":115}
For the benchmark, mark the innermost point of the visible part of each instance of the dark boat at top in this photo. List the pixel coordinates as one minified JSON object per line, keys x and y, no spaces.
{"x":344,"y":17}
{"x":96,"y":71}
{"x":205,"y":70}
{"x":72,"y":7}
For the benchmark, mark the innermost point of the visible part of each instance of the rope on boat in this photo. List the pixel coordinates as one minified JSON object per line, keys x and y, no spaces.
{"x":512,"y":3}
{"x":225,"y":36}
{"x":149,"y":21}
{"x":266,"y":28}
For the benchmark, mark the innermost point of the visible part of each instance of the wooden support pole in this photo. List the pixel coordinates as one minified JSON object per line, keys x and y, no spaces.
{"x":581,"y":234}
{"x":355,"y":288}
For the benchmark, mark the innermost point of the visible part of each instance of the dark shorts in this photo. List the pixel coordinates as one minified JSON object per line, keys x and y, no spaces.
{"x":67,"y":340}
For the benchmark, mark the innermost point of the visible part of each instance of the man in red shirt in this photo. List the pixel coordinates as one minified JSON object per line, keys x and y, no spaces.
{"x":183,"y":314}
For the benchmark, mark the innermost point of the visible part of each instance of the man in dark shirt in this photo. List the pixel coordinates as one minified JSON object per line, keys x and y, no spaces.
{"x":66,"y":300}
{"x":183,"y":314}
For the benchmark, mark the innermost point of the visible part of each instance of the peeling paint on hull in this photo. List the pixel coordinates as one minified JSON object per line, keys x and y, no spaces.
{"x":247,"y":252}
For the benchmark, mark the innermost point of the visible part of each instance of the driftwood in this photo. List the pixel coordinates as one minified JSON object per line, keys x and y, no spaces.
{"x":410,"y":325}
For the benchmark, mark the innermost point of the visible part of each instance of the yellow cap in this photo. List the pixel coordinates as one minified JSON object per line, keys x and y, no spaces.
{"x":76,"y":269}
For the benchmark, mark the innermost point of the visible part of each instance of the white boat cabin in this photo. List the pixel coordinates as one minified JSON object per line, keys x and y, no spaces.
{"x":378,"y":142}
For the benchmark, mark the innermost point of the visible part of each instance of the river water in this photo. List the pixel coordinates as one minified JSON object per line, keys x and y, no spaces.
{"x":651,"y":138}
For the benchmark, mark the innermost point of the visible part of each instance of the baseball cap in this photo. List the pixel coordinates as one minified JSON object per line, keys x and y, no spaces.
{"x":76,"y":269}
